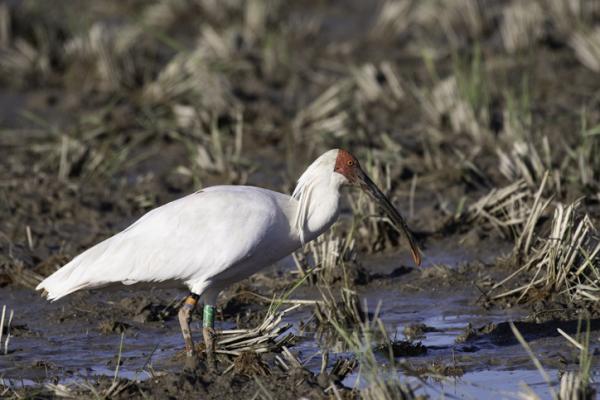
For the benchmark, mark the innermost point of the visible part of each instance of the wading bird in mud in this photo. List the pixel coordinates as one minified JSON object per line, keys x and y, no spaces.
{"x":220,"y":235}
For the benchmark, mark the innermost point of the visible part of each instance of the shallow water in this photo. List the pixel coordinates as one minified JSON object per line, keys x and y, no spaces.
{"x":487,"y":384}
{"x":63,"y":343}
{"x":491,"y":371}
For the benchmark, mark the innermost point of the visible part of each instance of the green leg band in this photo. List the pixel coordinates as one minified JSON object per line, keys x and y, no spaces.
{"x":208,"y":318}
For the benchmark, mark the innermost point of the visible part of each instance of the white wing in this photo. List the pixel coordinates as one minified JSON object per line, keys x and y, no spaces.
{"x":193,"y":240}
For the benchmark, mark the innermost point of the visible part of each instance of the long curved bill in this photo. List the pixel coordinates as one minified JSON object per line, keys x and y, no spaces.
{"x":373,"y":191}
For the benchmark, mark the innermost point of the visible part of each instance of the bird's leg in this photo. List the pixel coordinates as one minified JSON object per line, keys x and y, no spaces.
{"x":208,"y":331}
{"x":185,"y":317}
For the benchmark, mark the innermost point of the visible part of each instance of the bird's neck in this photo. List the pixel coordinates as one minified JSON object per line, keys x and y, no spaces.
{"x":318,"y":208}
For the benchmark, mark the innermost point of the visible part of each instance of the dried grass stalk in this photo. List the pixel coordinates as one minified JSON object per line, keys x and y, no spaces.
{"x":190,"y":75}
{"x":5,"y":329}
{"x":22,"y":275}
{"x":506,"y":209}
{"x":565,"y":262}
{"x":369,"y":86}
{"x":522,"y":25}
{"x":587,"y":48}
{"x":325,"y":115}
{"x":265,"y":338}
{"x":106,"y":48}
{"x":524,"y":162}
{"x":330,"y":254}
{"x":448,"y":100}
{"x":22,"y":59}
{"x":565,"y":14}
{"x":393,"y":18}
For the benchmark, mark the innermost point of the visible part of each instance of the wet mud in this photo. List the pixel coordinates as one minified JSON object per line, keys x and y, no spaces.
{"x":442,"y":338}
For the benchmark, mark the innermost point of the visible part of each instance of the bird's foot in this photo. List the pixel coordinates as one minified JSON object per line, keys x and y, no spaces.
{"x":192,"y":363}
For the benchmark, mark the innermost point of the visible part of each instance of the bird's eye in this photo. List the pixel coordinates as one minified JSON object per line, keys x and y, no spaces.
{"x":350,"y":163}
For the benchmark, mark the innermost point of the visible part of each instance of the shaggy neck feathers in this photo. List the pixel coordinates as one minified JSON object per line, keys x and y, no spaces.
{"x":317,"y":194}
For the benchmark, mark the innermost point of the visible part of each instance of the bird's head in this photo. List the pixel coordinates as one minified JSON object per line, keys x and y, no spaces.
{"x":348,"y":166}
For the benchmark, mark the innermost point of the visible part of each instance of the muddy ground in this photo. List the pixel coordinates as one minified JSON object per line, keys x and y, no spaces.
{"x":456,"y":345}
{"x":110,"y":109}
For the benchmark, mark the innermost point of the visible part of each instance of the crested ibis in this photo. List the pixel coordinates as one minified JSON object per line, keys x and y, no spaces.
{"x":220,"y":235}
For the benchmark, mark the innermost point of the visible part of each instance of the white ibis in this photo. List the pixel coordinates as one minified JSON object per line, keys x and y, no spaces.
{"x":220,"y":235}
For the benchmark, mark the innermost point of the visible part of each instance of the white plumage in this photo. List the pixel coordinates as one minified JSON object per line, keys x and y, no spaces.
{"x":217,"y":236}
{"x":211,"y":238}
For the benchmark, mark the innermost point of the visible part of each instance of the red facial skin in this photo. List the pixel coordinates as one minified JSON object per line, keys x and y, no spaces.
{"x":347,"y":165}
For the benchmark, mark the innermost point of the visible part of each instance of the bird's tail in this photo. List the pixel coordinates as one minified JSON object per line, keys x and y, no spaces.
{"x":57,"y":285}
{"x":72,"y":276}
